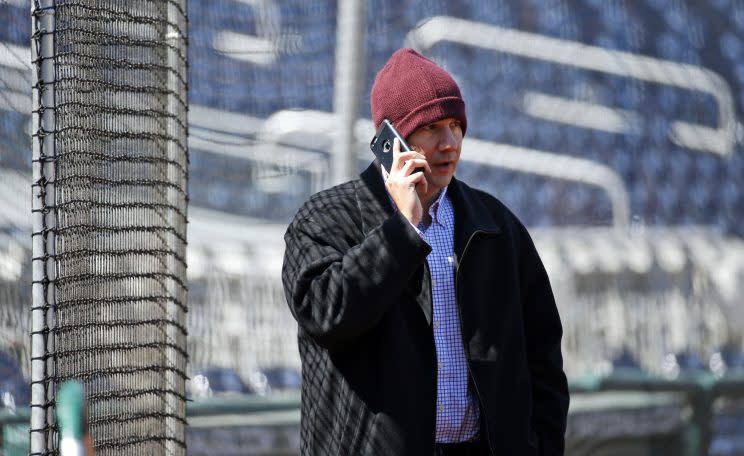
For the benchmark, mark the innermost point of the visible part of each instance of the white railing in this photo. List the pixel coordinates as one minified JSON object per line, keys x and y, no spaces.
{"x":719,"y":140}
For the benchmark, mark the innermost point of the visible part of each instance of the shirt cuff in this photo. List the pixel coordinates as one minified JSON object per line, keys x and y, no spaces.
{"x":420,"y":233}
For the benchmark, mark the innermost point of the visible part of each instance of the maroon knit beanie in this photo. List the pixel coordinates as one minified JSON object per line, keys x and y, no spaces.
{"x":412,"y":91}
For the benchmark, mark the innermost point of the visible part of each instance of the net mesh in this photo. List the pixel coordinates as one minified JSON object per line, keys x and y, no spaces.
{"x":651,"y":90}
{"x":261,"y":92}
{"x":118,"y":173}
{"x":644,"y":94}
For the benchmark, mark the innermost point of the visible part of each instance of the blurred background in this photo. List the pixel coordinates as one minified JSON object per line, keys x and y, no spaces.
{"x":613,"y":129}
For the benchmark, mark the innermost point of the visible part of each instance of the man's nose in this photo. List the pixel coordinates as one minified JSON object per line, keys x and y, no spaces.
{"x":447,"y":140}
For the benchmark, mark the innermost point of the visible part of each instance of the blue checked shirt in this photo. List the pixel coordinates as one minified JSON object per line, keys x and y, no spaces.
{"x":457,"y":407}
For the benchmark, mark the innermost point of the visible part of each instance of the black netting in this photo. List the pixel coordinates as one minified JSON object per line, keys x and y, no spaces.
{"x":661,"y":110}
{"x":649,"y":91}
{"x":636,"y":107}
{"x":114,"y":180}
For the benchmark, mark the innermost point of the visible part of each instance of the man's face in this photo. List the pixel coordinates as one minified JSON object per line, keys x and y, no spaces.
{"x":440,"y":142}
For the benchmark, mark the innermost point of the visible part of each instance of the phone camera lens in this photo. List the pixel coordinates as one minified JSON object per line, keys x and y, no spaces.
{"x":386,"y":146}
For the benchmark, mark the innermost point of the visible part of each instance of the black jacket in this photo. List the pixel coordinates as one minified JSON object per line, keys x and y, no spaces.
{"x":356,"y":279}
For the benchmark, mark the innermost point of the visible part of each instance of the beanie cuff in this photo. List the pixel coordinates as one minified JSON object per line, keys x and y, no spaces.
{"x":430,"y":112}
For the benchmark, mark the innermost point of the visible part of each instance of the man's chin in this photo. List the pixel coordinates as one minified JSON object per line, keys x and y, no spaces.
{"x":435,"y":185}
{"x":441,"y":182}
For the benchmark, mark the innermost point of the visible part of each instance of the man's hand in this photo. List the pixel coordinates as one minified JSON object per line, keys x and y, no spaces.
{"x":401,"y":182}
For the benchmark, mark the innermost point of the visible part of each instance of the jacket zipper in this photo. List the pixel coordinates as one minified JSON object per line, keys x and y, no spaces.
{"x":436,"y":377}
{"x":462,"y":335}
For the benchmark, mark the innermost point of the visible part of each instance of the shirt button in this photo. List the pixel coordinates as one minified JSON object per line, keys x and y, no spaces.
{"x":441,"y":408}
{"x":439,"y":366}
{"x":434,"y":283}
{"x":436,"y":324}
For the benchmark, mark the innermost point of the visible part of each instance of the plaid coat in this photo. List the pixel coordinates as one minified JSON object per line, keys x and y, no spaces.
{"x":356,"y":279}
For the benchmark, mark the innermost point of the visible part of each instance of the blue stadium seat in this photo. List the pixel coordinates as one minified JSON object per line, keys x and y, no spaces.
{"x":644,"y":156}
{"x":494,"y":12}
{"x":16,"y":22}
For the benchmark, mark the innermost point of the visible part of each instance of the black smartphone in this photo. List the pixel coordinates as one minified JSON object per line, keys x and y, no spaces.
{"x":382,"y":145}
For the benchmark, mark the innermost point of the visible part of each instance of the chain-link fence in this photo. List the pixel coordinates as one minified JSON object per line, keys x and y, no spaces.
{"x":612,"y":129}
{"x":109,"y":221}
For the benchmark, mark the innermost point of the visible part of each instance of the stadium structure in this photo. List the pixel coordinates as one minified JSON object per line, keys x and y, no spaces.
{"x":613,"y":129}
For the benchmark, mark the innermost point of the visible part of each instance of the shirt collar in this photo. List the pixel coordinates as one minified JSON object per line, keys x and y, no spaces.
{"x":437,"y":208}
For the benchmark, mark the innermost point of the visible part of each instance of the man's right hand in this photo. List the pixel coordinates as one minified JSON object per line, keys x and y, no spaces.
{"x":402,"y":181}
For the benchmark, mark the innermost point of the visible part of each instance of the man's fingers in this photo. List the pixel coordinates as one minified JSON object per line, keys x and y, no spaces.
{"x":414,"y":178}
{"x":396,"y":153}
{"x":413,"y":163}
{"x":418,"y":179}
{"x":400,"y":157}
{"x":411,"y":154}
{"x":404,"y":157}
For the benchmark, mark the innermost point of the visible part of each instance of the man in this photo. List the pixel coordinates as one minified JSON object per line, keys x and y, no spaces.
{"x":426,"y":321}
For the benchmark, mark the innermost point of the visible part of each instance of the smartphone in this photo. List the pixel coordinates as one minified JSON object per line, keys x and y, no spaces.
{"x":382,"y":145}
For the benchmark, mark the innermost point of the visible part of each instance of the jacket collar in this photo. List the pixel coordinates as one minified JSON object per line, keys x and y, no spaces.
{"x":372,"y":197}
{"x":471,"y":215}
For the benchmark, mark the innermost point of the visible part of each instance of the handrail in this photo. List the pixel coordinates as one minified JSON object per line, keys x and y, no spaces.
{"x":718,"y":140}
{"x":554,"y":166}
